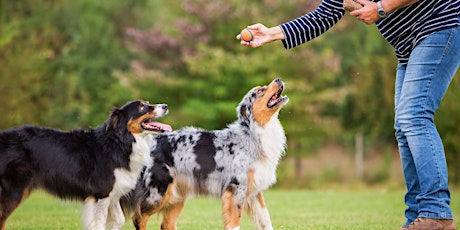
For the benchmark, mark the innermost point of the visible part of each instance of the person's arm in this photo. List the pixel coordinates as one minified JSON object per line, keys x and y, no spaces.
{"x":313,"y":24}
{"x":301,"y":29}
{"x":369,"y":13}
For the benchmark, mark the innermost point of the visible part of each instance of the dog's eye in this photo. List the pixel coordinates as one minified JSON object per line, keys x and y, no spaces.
{"x":261,"y":90}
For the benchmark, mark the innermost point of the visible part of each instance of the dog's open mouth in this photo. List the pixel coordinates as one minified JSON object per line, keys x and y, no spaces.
{"x":155,"y":126}
{"x":276,"y":98}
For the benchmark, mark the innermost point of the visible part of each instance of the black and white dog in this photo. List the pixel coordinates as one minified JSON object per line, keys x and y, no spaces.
{"x":97,"y":166}
{"x":235,"y":164}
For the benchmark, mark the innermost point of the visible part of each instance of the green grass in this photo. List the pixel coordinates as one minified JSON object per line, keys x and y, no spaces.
{"x":297,"y":210}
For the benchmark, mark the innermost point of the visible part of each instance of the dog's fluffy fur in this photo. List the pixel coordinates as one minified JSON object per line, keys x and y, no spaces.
{"x":97,"y":166}
{"x":234,"y":164}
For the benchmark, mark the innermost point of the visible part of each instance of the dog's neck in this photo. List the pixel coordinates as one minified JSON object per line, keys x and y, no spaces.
{"x":272,"y":139}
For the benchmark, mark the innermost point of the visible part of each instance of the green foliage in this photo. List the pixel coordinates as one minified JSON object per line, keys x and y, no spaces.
{"x":59,"y":58}
{"x":67,"y":63}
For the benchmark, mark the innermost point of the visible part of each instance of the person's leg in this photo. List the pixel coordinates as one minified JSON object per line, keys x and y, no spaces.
{"x":407,"y":162}
{"x":428,"y":74}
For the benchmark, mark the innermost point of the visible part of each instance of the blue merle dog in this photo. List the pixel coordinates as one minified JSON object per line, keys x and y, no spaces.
{"x":235,"y":164}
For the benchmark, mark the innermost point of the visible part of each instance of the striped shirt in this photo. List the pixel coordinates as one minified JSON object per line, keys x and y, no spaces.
{"x":403,"y":28}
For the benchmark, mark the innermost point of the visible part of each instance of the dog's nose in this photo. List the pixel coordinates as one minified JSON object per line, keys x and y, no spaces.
{"x":277,"y":79}
{"x":164,"y":106}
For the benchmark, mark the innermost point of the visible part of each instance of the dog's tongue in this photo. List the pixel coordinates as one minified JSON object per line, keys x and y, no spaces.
{"x":160,"y":126}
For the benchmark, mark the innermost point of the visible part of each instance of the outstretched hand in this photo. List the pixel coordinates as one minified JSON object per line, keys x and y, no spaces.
{"x":262,"y":35}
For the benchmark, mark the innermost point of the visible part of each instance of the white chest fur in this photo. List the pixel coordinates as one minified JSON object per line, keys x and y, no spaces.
{"x":273,"y":142}
{"x":125,"y":179}
{"x":102,"y":213}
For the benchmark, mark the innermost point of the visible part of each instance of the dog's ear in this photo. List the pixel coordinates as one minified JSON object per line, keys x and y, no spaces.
{"x":244,"y":112}
{"x":114,"y":119}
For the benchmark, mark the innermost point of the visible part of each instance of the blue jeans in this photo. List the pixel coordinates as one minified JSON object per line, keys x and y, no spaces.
{"x":419,"y":88}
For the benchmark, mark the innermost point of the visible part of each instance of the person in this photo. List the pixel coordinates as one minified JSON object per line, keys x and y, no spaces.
{"x":425,"y":35}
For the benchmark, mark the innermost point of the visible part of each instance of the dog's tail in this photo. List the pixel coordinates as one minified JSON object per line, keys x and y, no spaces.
{"x":127,"y":203}
{"x":131,"y":203}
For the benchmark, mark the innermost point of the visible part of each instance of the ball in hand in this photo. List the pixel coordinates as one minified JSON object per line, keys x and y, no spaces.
{"x":247,"y":35}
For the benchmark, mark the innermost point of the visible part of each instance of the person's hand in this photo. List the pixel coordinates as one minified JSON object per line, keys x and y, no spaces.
{"x":262,"y":35}
{"x":368,"y":14}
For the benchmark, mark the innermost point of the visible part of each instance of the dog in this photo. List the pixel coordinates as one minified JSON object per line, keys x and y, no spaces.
{"x":97,"y":166}
{"x":235,"y":164}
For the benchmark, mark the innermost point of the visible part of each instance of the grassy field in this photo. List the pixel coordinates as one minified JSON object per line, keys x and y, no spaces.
{"x":297,"y":210}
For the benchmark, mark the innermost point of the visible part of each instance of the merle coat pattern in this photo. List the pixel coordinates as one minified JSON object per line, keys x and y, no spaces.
{"x":234,"y":164}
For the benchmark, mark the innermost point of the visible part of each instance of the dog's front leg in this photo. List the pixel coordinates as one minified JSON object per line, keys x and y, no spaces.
{"x":259,"y":212}
{"x":233,"y":201}
{"x":94,"y":214}
{"x":116,"y":218}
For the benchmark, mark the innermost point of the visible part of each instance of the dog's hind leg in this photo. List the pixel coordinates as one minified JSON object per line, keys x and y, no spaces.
{"x":233,"y":201}
{"x":259,"y":213}
{"x":10,"y":200}
{"x":140,"y":220}
{"x":170,"y":215}
{"x":143,"y":212}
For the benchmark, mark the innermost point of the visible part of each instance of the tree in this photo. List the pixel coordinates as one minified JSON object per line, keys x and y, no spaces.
{"x":59,"y":60}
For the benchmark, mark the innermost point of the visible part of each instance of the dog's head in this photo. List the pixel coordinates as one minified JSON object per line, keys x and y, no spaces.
{"x":137,"y":118}
{"x":261,"y":103}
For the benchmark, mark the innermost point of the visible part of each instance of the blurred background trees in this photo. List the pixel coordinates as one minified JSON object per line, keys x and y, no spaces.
{"x":67,"y":63}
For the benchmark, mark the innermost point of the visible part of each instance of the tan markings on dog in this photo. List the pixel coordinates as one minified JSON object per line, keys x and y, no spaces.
{"x":231,"y":212}
{"x":170,"y":215}
{"x":134,"y":126}
{"x":260,"y":198}
{"x":251,"y":183}
{"x":253,"y":210}
{"x":262,"y":113}
{"x":25,"y":194}
{"x":144,"y":217}
{"x":142,"y":220}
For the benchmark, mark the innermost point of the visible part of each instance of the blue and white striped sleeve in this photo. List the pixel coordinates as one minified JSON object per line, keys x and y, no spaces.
{"x":312,"y":24}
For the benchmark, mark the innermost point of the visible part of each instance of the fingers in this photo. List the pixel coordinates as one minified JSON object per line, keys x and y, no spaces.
{"x":362,"y":2}
{"x":259,"y":32}
{"x":248,"y":44}
{"x":350,"y":5}
{"x":256,"y":26}
{"x":367,"y":14}
{"x":355,"y":13}
{"x":361,"y":10}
